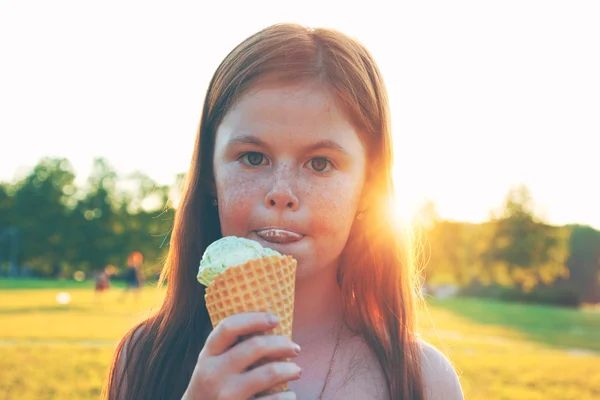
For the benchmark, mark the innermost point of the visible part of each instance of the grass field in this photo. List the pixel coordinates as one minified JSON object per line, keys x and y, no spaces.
{"x":501,"y":351}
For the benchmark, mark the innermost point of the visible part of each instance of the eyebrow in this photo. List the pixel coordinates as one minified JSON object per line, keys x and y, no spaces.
{"x":321,"y":144}
{"x":246,"y":139}
{"x":328,"y":145}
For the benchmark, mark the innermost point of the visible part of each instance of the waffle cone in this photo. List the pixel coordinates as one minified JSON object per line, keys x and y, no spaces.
{"x":263,"y":285}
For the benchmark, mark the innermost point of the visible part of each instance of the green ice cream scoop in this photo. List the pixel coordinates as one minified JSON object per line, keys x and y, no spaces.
{"x":229,"y":252}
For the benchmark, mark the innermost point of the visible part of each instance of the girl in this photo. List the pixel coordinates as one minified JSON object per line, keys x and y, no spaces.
{"x":133,"y":275}
{"x":294,"y":150}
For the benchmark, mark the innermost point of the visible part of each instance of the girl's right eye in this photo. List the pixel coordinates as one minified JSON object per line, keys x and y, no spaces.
{"x":253,"y":158}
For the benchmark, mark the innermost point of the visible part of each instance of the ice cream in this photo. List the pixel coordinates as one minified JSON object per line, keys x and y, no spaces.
{"x":242,"y":276}
{"x":228,"y":252}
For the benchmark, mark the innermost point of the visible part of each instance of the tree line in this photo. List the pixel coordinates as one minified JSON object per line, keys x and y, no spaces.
{"x":514,"y":255}
{"x":51,"y":227}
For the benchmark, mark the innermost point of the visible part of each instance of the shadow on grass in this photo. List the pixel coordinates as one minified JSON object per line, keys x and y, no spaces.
{"x":98,"y":309}
{"x":557,"y":327}
{"x":59,"y":342}
{"x":38,"y":309}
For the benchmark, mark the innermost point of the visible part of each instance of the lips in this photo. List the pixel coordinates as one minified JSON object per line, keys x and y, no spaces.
{"x":279,"y":236}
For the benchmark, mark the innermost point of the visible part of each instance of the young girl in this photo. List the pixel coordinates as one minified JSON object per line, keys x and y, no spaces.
{"x":294,"y":150}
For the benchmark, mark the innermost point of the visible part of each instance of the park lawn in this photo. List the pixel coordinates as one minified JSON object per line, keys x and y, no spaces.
{"x":35,"y":283}
{"x":33,"y":372}
{"x":51,"y":351}
{"x":26,"y":283}
{"x":500,"y":359}
{"x":557,"y":327}
{"x":34,"y":315}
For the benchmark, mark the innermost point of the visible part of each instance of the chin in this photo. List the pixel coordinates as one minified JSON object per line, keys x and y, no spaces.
{"x":310,"y":267}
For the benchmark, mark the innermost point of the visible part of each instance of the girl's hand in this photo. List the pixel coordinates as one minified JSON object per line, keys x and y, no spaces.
{"x":221,"y":372}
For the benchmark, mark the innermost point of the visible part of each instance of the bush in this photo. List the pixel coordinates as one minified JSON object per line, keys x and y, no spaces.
{"x":561,"y":296}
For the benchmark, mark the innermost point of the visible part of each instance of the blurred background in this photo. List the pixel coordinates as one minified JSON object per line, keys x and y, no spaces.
{"x":495,"y":114}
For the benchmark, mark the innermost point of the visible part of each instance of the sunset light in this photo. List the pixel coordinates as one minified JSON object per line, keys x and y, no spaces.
{"x":283,"y":240}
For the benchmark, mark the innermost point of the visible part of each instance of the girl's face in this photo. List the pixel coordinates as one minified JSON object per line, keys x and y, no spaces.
{"x":289,"y":169}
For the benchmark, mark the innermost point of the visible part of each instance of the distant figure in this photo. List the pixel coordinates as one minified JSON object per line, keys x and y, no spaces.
{"x":102,"y":283}
{"x":133,"y":276}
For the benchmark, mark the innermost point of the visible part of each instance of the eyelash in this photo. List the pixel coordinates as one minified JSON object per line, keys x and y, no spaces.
{"x":244,"y":159}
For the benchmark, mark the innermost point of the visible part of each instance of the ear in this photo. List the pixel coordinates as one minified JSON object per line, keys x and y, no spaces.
{"x":362,"y":207}
{"x":364,"y":201}
{"x":210,"y":186}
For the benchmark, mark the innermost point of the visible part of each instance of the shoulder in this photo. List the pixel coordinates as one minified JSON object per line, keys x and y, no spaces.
{"x":440,"y":380}
{"x":129,"y":345}
{"x":122,"y":357}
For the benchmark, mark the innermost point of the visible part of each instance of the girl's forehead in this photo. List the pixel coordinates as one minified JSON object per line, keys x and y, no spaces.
{"x":284,"y":102}
{"x":296,"y":112}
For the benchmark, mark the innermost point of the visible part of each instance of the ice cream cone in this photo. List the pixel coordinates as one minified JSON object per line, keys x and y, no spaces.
{"x":262,"y":285}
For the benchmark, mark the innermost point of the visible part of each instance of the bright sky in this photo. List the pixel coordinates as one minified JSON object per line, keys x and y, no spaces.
{"x":484,"y":94}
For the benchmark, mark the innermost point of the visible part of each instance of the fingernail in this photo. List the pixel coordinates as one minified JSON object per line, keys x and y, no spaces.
{"x":286,"y":395}
{"x":296,"y":349}
{"x":272,"y":319}
{"x":293,"y":370}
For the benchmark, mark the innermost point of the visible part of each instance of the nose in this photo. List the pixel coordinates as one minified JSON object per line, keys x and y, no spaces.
{"x":281,"y":195}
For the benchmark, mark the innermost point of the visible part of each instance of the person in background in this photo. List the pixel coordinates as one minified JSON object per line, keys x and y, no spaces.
{"x":133,"y":276}
{"x":102,"y":283}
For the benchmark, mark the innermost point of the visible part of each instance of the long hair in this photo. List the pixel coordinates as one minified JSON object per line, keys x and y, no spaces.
{"x":375,"y":275}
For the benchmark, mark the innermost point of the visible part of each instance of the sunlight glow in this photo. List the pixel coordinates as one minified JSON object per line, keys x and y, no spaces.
{"x":476,"y":107}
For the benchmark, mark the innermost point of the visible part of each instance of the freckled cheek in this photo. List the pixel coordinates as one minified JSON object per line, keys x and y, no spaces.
{"x":237,"y":199}
{"x":332,"y":208}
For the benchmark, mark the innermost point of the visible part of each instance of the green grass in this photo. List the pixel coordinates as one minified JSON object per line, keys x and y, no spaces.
{"x":27,"y":283}
{"x":513,"y":351}
{"x":501,"y":351}
{"x":57,"y":372}
{"x":35,"y":315}
{"x":32,"y":283}
{"x":558,"y":327}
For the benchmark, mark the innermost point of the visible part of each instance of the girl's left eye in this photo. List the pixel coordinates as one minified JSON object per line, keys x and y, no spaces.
{"x":320,"y":164}
{"x":253,"y":158}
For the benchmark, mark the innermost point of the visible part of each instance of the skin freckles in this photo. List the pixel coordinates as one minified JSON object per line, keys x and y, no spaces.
{"x":286,"y":157}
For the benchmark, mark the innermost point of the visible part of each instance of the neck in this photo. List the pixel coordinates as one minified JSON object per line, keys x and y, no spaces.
{"x":317,"y":307}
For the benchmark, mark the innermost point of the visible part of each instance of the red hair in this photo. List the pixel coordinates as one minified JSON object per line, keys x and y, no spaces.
{"x":375,"y":275}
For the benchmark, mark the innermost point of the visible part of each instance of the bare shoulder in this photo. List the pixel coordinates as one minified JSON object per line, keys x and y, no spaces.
{"x":439,"y":377}
{"x":128,"y":342}
{"x":118,"y":381}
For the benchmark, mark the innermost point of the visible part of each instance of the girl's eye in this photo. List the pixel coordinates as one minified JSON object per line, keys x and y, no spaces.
{"x":253,"y":158}
{"x":319,"y":164}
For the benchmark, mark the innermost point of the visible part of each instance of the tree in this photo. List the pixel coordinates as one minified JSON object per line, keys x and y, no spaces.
{"x":7,"y":201}
{"x":95,"y":242}
{"x":584,"y":263}
{"x":8,"y":233}
{"x":61,"y":228}
{"x":40,"y":213}
{"x":523,"y":250}
{"x":147,"y":219}
{"x":444,"y":248}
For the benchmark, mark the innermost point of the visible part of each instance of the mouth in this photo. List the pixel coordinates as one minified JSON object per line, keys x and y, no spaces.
{"x":279,"y":236}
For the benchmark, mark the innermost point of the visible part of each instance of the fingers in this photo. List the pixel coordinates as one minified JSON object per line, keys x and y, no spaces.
{"x":266,"y":376}
{"x":278,"y":396}
{"x":230,"y":329}
{"x":227,"y":365}
{"x":250,"y":351}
